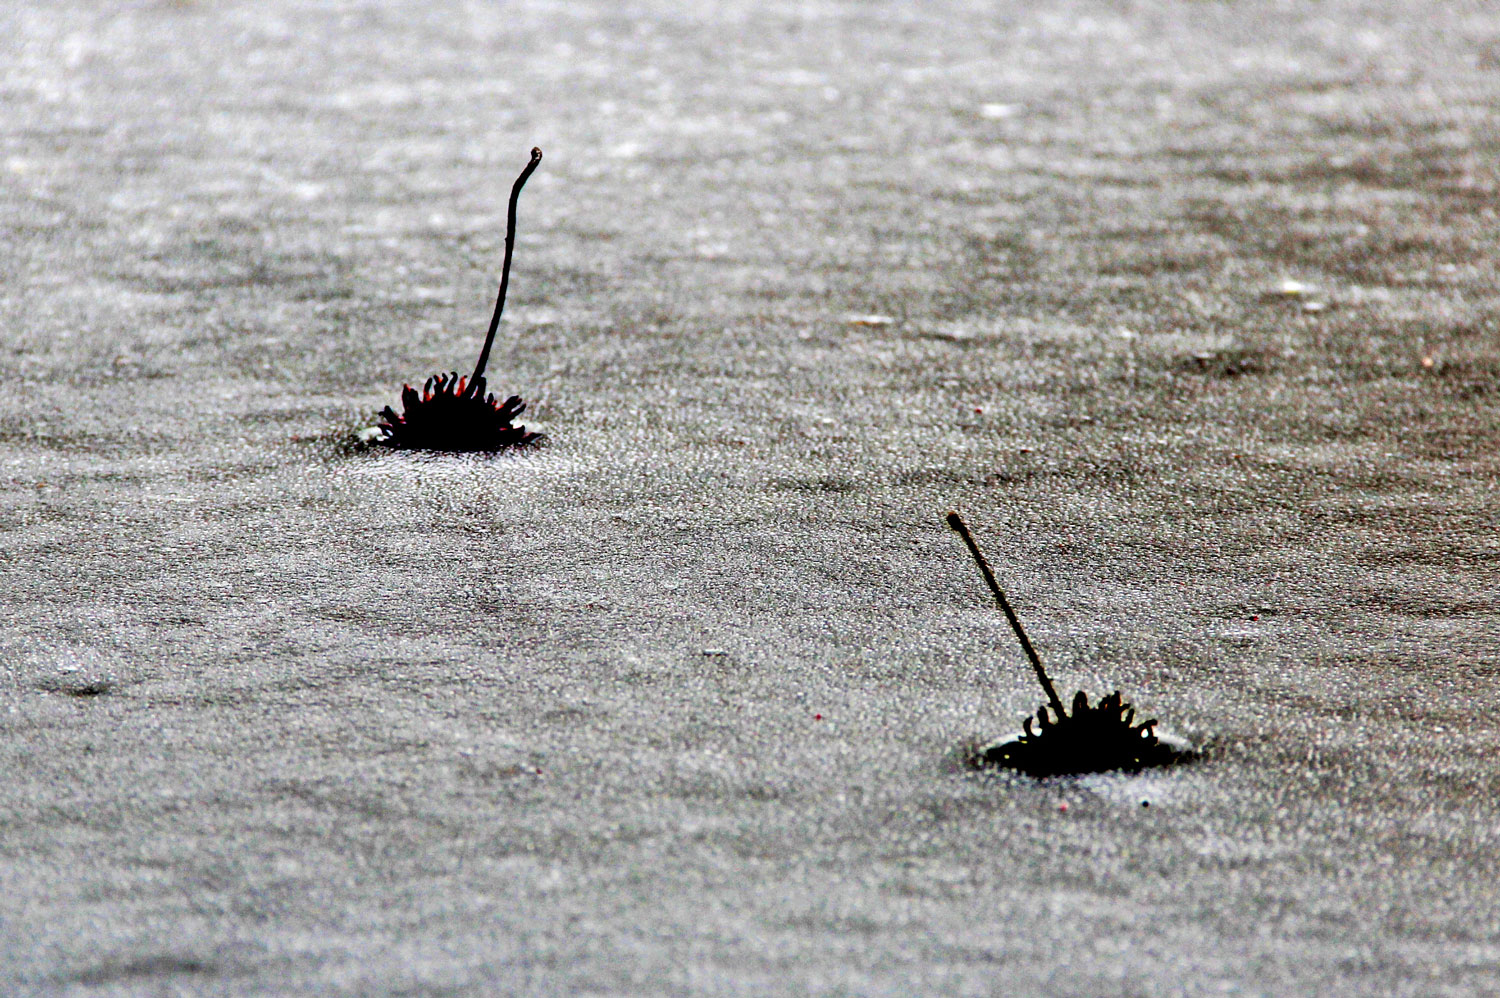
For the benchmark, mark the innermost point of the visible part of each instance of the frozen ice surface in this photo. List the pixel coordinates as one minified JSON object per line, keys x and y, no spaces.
{"x":674,"y":705}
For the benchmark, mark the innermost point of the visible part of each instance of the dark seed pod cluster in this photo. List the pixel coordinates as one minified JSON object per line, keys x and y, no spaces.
{"x":452,"y":413}
{"x":1092,"y":739}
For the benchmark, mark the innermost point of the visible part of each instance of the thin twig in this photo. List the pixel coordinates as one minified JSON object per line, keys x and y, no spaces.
{"x":956,"y":522}
{"x":510,"y":245}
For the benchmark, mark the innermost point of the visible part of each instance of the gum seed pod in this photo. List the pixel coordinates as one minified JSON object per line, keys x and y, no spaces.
{"x":1089,"y":739}
{"x":454,"y":413}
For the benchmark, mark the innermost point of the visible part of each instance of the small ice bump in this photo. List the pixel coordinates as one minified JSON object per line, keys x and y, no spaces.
{"x":953,"y":334}
{"x":996,"y":112}
{"x":78,"y":672}
{"x":72,"y":683}
{"x":869,"y":320}
{"x":538,"y":316}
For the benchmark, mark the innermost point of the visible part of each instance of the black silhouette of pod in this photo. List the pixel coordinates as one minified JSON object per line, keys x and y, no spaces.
{"x":1090,"y":739}
{"x":452,"y":413}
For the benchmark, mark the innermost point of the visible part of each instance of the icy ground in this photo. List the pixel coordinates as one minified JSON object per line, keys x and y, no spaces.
{"x":1190,"y":307}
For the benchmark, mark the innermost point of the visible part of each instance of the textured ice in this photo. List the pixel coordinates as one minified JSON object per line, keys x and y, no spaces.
{"x":675,"y":705}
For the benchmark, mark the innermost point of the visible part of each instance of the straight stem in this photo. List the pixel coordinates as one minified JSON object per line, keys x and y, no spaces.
{"x":956,"y":522}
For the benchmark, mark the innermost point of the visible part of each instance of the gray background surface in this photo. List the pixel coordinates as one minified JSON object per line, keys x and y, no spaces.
{"x":673,"y":706}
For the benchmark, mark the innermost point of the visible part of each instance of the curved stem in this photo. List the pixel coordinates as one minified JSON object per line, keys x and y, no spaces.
{"x":510,"y":246}
{"x":956,"y":522}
